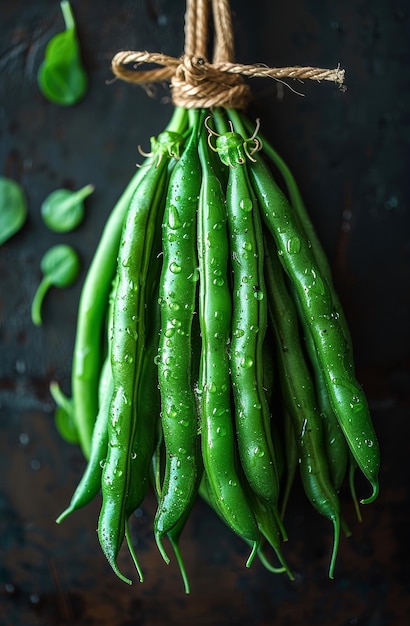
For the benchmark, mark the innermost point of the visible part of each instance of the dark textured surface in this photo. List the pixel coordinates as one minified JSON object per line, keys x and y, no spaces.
{"x":351,"y":154}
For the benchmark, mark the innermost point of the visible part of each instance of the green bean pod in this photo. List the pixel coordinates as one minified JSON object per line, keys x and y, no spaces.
{"x":305,"y":223}
{"x":87,"y":355}
{"x":148,"y":404}
{"x":90,"y":483}
{"x":248,"y":326}
{"x":291,"y":460}
{"x":126,"y":359}
{"x":336,"y":448}
{"x":178,"y":288}
{"x":91,"y":317}
{"x":215,"y":310}
{"x":313,"y":292}
{"x":335,"y":442}
{"x":300,"y":400}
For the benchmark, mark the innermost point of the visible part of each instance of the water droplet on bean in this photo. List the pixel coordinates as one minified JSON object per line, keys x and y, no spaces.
{"x":175,"y":268}
{"x":258,"y":294}
{"x":246,"y":362}
{"x":293,"y":245}
{"x":258,"y":452}
{"x":218,"y":282}
{"x":239,"y":332}
{"x":246,"y":204}
{"x":218,"y":412}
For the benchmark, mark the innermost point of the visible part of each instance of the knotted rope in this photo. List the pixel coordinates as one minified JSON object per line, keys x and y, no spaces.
{"x":197,"y":83}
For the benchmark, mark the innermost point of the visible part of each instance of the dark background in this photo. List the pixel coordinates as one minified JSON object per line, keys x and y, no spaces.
{"x":350,"y":153}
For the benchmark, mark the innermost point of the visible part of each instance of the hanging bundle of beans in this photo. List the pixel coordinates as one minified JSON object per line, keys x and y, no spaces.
{"x":212,"y":356}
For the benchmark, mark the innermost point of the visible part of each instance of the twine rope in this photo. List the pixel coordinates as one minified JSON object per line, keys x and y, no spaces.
{"x":198,"y":83}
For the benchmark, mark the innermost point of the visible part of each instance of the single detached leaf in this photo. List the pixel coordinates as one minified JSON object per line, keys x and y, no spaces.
{"x":13,"y":208}
{"x":60,"y":266}
{"x":64,"y":420}
{"x":61,"y":77}
{"x":65,"y":426}
{"x":63,"y":210}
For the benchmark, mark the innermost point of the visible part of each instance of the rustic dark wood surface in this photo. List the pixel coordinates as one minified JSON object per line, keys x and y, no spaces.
{"x":351,"y":154}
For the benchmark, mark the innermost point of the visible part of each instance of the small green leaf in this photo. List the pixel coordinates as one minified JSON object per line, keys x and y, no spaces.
{"x":64,"y":420}
{"x":65,"y":426}
{"x":13,"y":208}
{"x":61,"y":77}
{"x":60,"y":266}
{"x":63,"y":210}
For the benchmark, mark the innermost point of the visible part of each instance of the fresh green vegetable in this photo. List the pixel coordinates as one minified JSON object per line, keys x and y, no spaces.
{"x":94,"y":299}
{"x":60,"y":266}
{"x":291,"y":459}
{"x":317,"y":305}
{"x":65,"y":425}
{"x":63,"y":210}
{"x":300,"y":401}
{"x":215,"y":311}
{"x":61,"y":77}
{"x":128,"y":338}
{"x":221,"y":365}
{"x":249,"y":319}
{"x":90,"y":483}
{"x":63,"y":417}
{"x":13,"y":208}
{"x":335,"y":442}
{"x":178,"y":288}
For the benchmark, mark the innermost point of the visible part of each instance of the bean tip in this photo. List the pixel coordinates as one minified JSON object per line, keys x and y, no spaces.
{"x":374,"y":494}
{"x":158,"y":539}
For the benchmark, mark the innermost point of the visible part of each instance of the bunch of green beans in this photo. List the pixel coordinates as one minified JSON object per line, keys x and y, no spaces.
{"x":212,"y":356}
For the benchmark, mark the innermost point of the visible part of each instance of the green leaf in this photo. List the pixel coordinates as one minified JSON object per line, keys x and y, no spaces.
{"x":61,"y":77}
{"x":63,"y":210}
{"x":63,"y":416}
{"x":13,"y":208}
{"x":60,"y":266}
{"x":65,"y":425}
